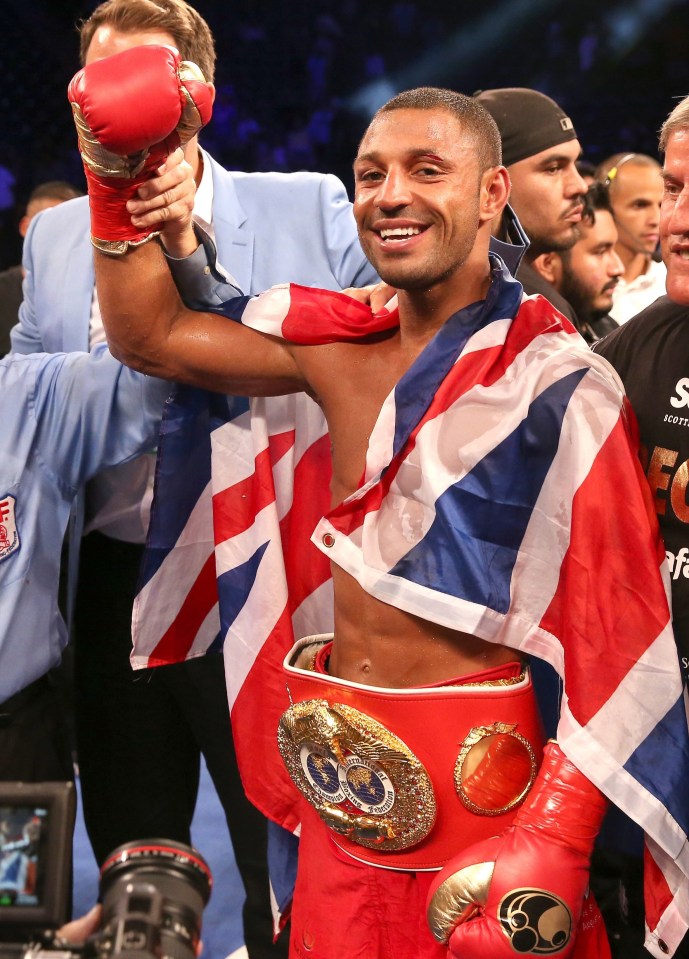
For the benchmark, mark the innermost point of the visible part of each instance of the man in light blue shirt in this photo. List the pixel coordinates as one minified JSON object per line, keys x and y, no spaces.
{"x":65,"y":416}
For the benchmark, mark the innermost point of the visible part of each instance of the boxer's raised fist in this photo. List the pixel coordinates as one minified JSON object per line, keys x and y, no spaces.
{"x":523,"y":892}
{"x":131,"y":111}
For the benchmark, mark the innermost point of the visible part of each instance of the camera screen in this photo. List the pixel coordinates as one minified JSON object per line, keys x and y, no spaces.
{"x":23,"y":831}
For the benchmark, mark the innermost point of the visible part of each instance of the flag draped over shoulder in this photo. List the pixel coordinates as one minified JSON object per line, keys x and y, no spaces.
{"x":502,"y":497}
{"x":229,"y":561}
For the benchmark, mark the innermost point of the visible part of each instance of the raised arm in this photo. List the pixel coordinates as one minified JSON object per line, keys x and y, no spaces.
{"x":149,"y":328}
{"x":132,"y":110}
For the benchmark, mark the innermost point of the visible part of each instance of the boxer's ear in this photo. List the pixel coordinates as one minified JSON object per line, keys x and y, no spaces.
{"x":494,"y":193}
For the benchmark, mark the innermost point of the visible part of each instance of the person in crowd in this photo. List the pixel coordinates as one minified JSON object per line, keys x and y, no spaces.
{"x":540,"y":150}
{"x":586,"y":170}
{"x":42,"y":197}
{"x":429,"y":183}
{"x":650,"y":355}
{"x":587,"y":274}
{"x":267,"y":228}
{"x":636,"y":188}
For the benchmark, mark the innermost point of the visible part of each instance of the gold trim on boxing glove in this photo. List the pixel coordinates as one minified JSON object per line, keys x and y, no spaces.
{"x":103,"y":162}
{"x":120,"y":247}
{"x":459,"y":898}
{"x":363,"y":781}
{"x":190,"y":122}
{"x":495,"y":769}
{"x":188,"y":70}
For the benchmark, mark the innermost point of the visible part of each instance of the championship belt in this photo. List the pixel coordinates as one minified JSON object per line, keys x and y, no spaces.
{"x":404,"y":778}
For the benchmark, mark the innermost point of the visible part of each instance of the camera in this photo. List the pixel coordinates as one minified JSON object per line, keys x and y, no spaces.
{"x":153,"y":891}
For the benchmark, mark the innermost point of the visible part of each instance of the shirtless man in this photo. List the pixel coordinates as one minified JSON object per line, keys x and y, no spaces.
{"x":443,"y":268}
{"x":428,"y":183}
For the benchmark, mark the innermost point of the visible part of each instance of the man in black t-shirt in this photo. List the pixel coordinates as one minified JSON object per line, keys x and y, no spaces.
{"x":651,"y":355}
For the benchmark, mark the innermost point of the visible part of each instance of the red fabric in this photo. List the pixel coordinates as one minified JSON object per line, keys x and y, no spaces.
{"x":591,"y":941}
{"x":625,"y":611}
{"x":657,"y":893}
{"x":344,"y":909}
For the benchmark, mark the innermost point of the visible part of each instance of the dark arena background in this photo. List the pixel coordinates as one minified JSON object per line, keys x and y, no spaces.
{"x":298,"y":79}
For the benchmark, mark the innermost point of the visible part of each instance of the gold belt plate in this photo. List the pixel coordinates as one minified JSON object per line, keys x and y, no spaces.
{"x":363,"y":781}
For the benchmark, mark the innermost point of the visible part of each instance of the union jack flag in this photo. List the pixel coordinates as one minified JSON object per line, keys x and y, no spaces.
{"x":502,"y":497}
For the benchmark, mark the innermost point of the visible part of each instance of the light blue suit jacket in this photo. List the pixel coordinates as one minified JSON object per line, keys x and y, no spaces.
{"x":269,"y":228}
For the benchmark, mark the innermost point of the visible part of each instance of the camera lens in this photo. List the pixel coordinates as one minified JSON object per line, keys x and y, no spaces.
{"x":153,"y":894}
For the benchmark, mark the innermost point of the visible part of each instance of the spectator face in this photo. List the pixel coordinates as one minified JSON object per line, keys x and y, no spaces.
{"x":592,"y":268}
{"x":635,"y":196}
{"x":417,"y":196}
{"x":34,"y":207}
{"x":674,"y":216}
{"x":546,"y":196}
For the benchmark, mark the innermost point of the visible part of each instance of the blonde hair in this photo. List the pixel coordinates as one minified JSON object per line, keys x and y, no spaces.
{"x":677,"y":120}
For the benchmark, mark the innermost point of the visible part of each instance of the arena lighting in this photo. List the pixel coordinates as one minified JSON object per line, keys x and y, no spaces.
{"x":467,"y":46}
{"x":626,"y":23}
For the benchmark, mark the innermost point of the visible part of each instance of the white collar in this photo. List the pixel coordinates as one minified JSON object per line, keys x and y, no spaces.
{"x":203,"y":203}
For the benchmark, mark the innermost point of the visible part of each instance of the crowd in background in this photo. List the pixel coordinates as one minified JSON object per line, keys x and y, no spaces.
{"x":297,"y":82}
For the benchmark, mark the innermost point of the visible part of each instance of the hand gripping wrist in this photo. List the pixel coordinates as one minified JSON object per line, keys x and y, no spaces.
{"x":522,"y":892}
{"x":131,"y":111}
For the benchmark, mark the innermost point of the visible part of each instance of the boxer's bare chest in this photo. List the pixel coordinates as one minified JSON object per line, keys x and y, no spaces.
{"x":351,"y":381}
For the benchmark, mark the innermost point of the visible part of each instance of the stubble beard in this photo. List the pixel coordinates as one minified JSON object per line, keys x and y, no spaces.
{"x":423,"y":276}
{"x":539,"y":244}
{"x":581,"y":300}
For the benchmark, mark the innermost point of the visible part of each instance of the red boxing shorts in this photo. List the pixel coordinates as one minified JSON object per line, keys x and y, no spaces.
{"x":354,"y":751}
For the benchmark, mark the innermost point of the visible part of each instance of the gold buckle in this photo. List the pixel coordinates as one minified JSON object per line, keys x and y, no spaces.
{"x":363,"y":781}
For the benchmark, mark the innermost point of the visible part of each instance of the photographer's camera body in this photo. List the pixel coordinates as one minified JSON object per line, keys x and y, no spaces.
{"x":153,"y":891}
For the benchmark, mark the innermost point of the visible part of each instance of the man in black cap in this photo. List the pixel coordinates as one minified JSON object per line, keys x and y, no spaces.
{"x":540,"y":150}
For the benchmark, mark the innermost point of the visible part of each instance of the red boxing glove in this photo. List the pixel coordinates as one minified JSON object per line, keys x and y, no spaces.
{"x":131,"y":111}
{"x":523,"y":891}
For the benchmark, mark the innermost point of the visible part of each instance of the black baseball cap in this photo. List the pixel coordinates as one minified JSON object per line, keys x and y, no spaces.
{"x":528,"y":121}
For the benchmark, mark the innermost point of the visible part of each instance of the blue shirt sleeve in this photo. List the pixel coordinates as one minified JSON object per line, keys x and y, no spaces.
{"x":198,"y":278}
{"x":92,"y":412}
